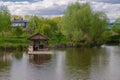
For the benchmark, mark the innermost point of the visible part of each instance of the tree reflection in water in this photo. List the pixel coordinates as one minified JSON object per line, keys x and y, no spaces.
{"x":81,"y":61}
{"x":39,"y":58}
{"x":5,"y":64}
{"x":18,"y":55}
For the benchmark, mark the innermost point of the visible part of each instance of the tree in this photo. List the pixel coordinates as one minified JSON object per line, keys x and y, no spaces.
{"x":97,"y":28}
{"x":116,"y":26}
{"x":81,"y":23}
{"x":69,"y":22}
{"x":16,"y":17}
{"x":5,"y":20}
{"x":18,"y":31}
{"x":27,"y":17}
{"x":33,"y":22}
{"x":47,"y":26}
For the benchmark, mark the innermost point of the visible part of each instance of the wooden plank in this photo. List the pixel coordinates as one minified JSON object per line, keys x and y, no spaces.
{"x":40,"y":52}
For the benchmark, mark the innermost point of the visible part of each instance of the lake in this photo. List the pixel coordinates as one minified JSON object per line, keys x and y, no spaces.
{"x":65,"y":64}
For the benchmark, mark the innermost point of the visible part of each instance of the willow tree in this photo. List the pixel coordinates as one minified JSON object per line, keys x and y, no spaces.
{"x":70,"y":24}
{"x":80,"y":22}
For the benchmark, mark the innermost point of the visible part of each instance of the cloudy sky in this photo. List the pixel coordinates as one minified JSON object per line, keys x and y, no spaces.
{"x":57,"y":7}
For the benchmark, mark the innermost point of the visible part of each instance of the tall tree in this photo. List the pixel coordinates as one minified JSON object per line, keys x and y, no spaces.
{"x":81,"y":23}
{"x":5,"y":19}
{"x":72,"y":22}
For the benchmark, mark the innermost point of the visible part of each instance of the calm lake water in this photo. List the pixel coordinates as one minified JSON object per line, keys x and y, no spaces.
{"x":69,"y":64}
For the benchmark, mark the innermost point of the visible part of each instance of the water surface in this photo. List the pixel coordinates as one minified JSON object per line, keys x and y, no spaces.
{"x":68,"y":64}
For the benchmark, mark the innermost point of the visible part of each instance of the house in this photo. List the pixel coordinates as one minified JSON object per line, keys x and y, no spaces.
{"x":19,"y":23}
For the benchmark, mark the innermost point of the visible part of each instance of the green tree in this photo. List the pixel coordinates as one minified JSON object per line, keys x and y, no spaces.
{"x":69,"y":22}
{"x":98,"y":24}
{"x":33,"y":22}
{"x":47,"y":26}
{"x":16,"y":17}
{"x":27,"y":17}
{"x":116,"y":26}
{"x":5,"y":20}
{"x":18,"y":31}
{"x":81,"y":23}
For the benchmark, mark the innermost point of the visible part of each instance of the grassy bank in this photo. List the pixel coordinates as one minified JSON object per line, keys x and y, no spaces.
{"x":13,"y":42}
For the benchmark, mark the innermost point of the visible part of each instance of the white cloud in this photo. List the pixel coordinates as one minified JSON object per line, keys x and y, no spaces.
{"x":22,"y":8}
{"x":57,"y":7}
{"x":112,"y":10}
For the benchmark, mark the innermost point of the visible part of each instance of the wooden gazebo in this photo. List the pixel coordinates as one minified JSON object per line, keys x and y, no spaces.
{"x":39,"y":42}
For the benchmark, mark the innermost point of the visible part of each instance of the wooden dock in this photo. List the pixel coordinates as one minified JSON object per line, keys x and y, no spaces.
{"x":40,"y":52}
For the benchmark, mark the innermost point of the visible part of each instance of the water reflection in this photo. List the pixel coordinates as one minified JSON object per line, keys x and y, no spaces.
{"x":39,"y":58}
{"x":78,"y":63}
{"x":18,"y":68}
{"x":114,"y":63}
{"x":87,"y":63}
{"x":60,"y":65}
{"x":71,"y":64}
{"x":5,"y":63}
{"x":18,"y":55}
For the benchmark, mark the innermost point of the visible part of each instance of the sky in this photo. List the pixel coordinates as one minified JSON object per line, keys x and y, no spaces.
{"x":50,"y":8}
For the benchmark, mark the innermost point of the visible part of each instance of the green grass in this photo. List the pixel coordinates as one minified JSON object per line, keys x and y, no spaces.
{"x":13,"y":42}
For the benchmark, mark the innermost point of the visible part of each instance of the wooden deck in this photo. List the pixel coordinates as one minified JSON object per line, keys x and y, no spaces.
{"x":39,"y":52}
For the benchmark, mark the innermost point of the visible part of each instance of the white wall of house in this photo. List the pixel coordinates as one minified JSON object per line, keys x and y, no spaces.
{"x":18,"y":24}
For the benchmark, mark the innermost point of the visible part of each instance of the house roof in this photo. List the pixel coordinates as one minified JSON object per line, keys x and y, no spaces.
{"x":38,"y":36}
{"x":19,"y":21}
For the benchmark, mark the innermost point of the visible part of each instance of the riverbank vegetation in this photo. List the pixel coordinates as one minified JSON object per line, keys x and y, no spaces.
{"x":79,"y":27}
{"x":115,"y":37}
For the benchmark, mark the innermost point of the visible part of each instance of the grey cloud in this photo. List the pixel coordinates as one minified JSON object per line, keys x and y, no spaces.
{"x":56,"y":10}
{"x":21,"y":0}
{"x":109,"y":1}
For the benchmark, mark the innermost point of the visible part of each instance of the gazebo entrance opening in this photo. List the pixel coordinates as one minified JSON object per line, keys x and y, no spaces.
{"x":40,"y":45}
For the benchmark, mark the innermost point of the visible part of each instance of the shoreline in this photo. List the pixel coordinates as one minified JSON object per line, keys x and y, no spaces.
{"x":58,"y":46}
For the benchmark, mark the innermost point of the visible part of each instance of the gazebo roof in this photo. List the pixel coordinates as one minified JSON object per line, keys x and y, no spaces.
{"x":38,"y":36}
